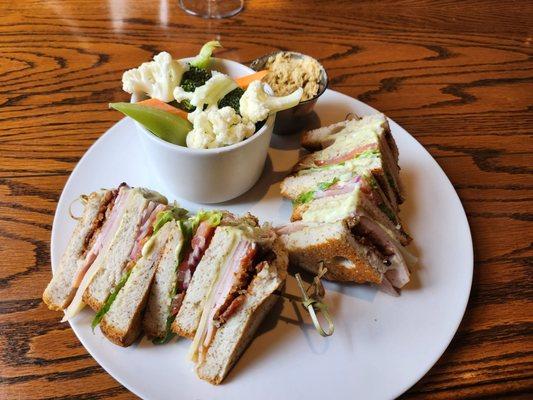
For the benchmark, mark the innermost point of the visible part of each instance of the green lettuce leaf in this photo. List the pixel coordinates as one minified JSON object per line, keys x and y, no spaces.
{"x":327,"y":185}
{"x":305,"y":197}
{"x":168,"y":332}
{"x":110,"y":299}
{"x":165,"y":216}
{"x":213,"y":217}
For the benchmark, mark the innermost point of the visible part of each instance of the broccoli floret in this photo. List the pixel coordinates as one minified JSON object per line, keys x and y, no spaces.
{"x":259,"y":125}
{"x":184,"y":105}
{"x":232,"y":100}
{"x":194,"y":77}
{"x":203,"y":59}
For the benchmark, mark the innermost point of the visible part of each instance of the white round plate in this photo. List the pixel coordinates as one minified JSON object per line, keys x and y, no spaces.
{"x":382,"y":345}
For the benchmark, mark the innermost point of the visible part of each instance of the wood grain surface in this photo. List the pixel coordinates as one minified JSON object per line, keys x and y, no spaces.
{"x":456,"y":74}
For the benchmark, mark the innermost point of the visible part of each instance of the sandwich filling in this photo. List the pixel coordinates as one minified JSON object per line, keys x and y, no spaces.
{"x":93,"y":241}
{"x":154,"y":217}
{"x":368,"y":162}
{"x":337,"y":200}
{"x":104,"y":236}
{"x":143,"y":246}
{"x":247,"y":252}
{"x":394,"y":256}
{"x":198,"y":232}
{"x":101,"y":237}
{"x":370,"y":138}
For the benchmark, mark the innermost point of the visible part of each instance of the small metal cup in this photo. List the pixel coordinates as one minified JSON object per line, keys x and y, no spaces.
{"x":294,"y":119}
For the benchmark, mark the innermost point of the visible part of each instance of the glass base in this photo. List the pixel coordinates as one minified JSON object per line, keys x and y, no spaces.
{"x":212,"y":8}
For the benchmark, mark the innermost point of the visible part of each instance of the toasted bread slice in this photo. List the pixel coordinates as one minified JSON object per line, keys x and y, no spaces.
{"x":158,"y":307}
{"x":188,"y":317}
{"x":122,"y":323}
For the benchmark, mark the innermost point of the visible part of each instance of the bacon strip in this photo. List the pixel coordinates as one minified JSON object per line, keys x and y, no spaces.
{"x":234,"y":306}
{"x":199,"y":244}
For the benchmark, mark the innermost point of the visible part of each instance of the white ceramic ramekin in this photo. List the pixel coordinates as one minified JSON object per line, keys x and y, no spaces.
{"x":209,"y":175}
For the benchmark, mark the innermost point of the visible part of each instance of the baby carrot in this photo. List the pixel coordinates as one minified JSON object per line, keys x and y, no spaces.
{"x":156,"y":103}
{"x":244,"y":81}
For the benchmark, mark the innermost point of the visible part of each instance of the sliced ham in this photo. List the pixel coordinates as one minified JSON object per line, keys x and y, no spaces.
{"x":146,"y":227}
{"x":109,"y":226}
{"x":339,"y":188}
{"x":291,"y":228}
{"x":346,"y":156}
{"x":226,"y":283}
{"x":387,"y":287}
{"x":397,"y":272}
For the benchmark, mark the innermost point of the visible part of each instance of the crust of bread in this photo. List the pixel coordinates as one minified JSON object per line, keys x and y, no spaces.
{"x":339,"y":254}
{"x":297,"y":211}
{"x":256,"y":316}
{"x":127,"y":337}
{"x":93,"y":303}
{"x":178,"y":330}
{"x":360,"y":272}
{"x":50,"y":303}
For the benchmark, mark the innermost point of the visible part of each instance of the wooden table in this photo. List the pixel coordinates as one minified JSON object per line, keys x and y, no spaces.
{"x":458,"y":75}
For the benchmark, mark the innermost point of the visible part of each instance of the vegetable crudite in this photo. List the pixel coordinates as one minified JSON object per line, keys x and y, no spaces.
{"x":212,"y":109}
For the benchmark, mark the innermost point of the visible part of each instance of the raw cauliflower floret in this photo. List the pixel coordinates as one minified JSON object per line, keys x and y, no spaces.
{"x":157,"y":78}
{"x":256,"y":104}
{"x":216,"y":127}
{"x":210,"y":93}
